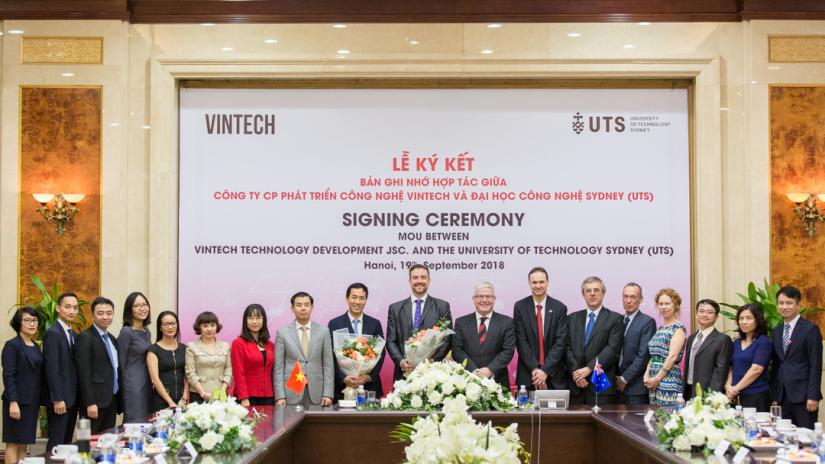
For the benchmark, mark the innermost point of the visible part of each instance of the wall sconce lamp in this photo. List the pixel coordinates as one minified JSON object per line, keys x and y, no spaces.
{"x":64,"y":209}
{"x":806,"y":209}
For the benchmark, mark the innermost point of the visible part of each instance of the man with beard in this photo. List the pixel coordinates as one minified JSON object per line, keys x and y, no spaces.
{"x":418,"y":312}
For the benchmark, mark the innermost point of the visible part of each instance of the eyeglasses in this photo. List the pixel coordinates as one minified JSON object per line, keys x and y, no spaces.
{"x":29,"y":321}
{"x":484,"y":297}
{"x":140,"y":305}
{"x":168,"y":324}
{"x":706,"y":311}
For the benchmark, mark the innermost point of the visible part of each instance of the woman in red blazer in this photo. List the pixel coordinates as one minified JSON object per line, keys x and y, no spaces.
{"x":253,"y":356}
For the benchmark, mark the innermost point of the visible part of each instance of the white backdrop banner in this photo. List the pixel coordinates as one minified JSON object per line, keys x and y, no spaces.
{"x":287,"y":190}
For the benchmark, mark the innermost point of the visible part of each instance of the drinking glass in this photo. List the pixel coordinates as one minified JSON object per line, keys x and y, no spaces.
{"x":776,"y":412}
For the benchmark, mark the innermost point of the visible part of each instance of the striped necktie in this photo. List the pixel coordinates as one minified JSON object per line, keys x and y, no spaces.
{"x":786,"y":338}
{"x":482,"y":330}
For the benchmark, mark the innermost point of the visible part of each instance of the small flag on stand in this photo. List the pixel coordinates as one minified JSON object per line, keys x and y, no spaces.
{"x":599,"y":378}
{"x":297,"y":380}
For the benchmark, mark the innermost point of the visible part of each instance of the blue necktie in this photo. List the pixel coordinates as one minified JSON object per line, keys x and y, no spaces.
{"x":786,"y":338}
{"x":111,"y":360}
{"x":355,"y":324}
{"x":591,"y":321}
{"x":417,"y":318}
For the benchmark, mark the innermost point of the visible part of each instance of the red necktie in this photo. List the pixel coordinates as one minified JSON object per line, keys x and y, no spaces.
{"x":540,"y":326}
{"x":482,"y":331}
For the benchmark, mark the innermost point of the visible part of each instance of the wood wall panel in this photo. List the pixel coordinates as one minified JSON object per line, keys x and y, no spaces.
{"x":797,"y":119}
{"x":60,"y":152}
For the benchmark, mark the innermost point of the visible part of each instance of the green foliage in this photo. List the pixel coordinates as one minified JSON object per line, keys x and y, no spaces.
{"x":47,"y":307}
{"x":765,"y":297}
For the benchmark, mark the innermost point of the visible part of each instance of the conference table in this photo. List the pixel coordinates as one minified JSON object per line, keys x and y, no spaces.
{"x":616,"y":434}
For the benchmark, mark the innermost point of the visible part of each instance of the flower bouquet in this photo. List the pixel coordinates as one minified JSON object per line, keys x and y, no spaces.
{"x":458,"y":438}
{"x":219,"y":426}
{"x":705,"y":421}
{"x":432,"y":384}
{"x":356,"y":355}
{"x":424,"y":343}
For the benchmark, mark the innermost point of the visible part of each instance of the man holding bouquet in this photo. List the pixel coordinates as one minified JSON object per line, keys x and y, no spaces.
{"x":417,"y":313}
{"x":357,"y":323}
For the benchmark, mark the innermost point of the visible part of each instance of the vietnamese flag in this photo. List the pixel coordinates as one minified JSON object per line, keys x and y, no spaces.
{"x":297,"y":380}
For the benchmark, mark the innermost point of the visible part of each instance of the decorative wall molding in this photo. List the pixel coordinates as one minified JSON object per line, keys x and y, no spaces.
{"x":796,"y":49}
{"x":63,"y":50}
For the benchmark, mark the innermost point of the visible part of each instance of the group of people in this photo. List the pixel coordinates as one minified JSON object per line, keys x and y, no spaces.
{"x":98,"y":376}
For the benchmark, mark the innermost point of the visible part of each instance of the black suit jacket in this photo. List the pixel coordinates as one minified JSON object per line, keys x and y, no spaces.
{"x":797,"y":374}
{"x":497,"y":350}
{"x":635,"y":353}
{"x":527,"y":341}
{"x":400,"y":327}
{"x":370,"y":326}
{"x":95,"y":375}
{"x":61,"y":373}
{"x":712,"y":361}
{"x":605,"y":344}
{"x":22,"y":372}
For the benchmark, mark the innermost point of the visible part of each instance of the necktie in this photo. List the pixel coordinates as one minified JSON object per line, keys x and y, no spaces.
{"x":482,"y":330}
{"x":591,"y":321}
{"x":111,"y":355}
{"x":540,"y":326}
{"x":626,"y":323}
{"x":355,"y":324}
{"x":786,"y":338}
{"x":417,"y":318}
{"x":693,"y":351}
{"x":304,"y":342}
{"x":70,"y":333}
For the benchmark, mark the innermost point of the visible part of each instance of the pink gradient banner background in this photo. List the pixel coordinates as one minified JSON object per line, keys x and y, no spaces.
{"x":328,"y":140}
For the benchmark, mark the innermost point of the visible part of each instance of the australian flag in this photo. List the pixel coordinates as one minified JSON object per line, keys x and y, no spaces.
{"x":599,"y":378}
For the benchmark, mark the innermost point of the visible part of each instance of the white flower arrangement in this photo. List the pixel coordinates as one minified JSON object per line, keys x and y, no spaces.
{"x":219,"y":426}
{"x":702,"y":424}
{"x":456,"y":437}
{"x":431,"y":384}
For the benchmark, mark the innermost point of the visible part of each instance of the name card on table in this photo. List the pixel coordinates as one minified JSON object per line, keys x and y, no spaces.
{"x":187,"y":452}
{"x":721,"y":449}
{"x":741,"y":455}
{"x":649,"y":416}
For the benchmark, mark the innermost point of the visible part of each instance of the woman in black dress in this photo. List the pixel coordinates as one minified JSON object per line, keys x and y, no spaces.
{"x":165,"y":360}
{"x":22,"y":377}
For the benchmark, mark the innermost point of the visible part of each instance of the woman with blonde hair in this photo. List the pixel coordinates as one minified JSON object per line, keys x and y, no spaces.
{"x":663,"y":376}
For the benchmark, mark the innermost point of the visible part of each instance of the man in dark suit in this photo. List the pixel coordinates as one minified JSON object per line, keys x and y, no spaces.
{"x":485,"y":339}
{"x":595,"y":333}
{"x":98,"y":373}
{"x":638,"y":330}
{"x":61,"y":373}
{"x":797,"y":357}
{"x":707,"y":353}
{"x":418,"y":312}
{"x":358,"y":323}
{"x":540,"y":352}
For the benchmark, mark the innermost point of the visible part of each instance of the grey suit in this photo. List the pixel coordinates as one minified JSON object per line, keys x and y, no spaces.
{"x":495,"y":353}
{"x":712,"y":363}
{"x":400,"y":327}
{"x":634,"y":357}
{"x":318,"y":366}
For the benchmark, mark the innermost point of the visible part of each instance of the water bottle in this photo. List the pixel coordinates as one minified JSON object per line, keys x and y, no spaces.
{"x":176,"y":418}
{"x":680,"y":403}
{"x":816,"y":440}
{"x":108,"y":453}
{"x":523,"y":398}
{"x":360,"y":396}
{"x":751,"y":429}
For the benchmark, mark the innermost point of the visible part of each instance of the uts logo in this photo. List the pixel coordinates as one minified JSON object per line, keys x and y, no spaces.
{"x":598,"y":123}
{"x":578,"y":124}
